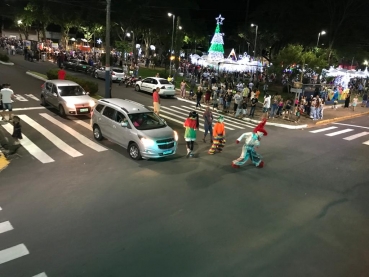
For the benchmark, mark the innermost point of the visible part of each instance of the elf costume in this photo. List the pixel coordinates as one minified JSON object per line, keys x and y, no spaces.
{"x":218,"y":136}
{"x":248,"y":151}
{"x":191,"y":124}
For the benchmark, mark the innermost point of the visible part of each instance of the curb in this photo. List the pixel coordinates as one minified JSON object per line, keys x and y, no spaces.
{"x":36,"y":76}
{"x":4,"y":63}
{"x":340,"y":118}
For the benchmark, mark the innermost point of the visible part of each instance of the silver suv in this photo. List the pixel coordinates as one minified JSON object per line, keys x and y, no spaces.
{"x":134,"y":127}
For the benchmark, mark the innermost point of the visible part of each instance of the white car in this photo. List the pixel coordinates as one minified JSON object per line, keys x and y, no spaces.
{"x":67,"y":96}
{"x":151,"y":83}
{"x":117,"y":73}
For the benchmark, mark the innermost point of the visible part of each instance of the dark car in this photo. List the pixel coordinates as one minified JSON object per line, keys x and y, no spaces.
{"x":77,"y":65}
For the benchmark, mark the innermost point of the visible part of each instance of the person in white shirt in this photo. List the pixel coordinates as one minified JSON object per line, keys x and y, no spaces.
{"x":266,"y":105}
{"x":6,"y":96}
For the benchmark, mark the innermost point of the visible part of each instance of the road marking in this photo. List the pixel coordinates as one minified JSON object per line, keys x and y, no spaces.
{"x":84,"y":124}
{"x":20,"y":98}
{"x":5,"y":227}
{"x":1,"y":209}
{"x":356,"y":136}
{"x":362,"y":127}
{"x":339,"y":132}
{"x":323,"y":130}
{"x":32,"y":148}
{"x":32,"y":97}
{"x":230,"y":118}
{"x":74,"y":133}
{"x":186,"y":115}
{"x":43,"y":274}
{"x":51,"y":137}
{"x":29,"y":109}
{"x":175,"y":120}
{"x":234,"y":123}
{"x":13,"y":253}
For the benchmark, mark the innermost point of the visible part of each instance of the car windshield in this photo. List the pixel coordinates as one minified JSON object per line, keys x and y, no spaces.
{"x":71,"y":91}
{"x":83,"y":62}
{"x":164,"y":82}
{"x":117,"y":70}
{"x":146,"y":121}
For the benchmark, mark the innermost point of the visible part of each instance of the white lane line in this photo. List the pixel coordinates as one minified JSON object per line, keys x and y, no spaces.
{"x":29,"y":109}
{"x":233,"y":120}
{"x":12,"y":253}
{"x":5,"y":227}
{"x":339,"y":132}
{"x":32,"y":97}
{"x":43,"y":274}
{"x":323,"y":130}
{"x":174,"y":120}
{"x":20,"y":98}
{"x":236,"y":124}
{"x":362,"y":127}
{"x":51,"y":137}
{"x":356,"y":136}
{"x":186,"y":115}
{"x":32,"y":148}
{"x":78,"y":136}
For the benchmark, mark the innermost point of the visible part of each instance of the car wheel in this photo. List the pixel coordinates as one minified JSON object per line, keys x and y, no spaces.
{"x":134,"y":151}
{"x":96,"y":75}
{"x":43,"y":101}
{"x":97,"y":133}
{"x":61,"y":111}
{"x":137,"y":88}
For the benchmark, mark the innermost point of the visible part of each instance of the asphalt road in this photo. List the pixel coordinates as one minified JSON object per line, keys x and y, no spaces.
{"x":102,"y":214}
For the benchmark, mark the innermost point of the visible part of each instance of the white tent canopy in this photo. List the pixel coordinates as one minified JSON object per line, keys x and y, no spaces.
{"x":334,"y":72}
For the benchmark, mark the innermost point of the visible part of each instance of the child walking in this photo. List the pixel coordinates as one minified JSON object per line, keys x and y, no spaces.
{"x":354,"y":102}
{"x":191,"y":124}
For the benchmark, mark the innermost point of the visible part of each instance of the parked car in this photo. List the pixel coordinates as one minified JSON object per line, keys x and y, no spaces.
{"x":77,"y":65}
{"x":67,"y":96}
{"x":134,"y":127}
{"x":117,"y":73}
{"x":150,"y":83}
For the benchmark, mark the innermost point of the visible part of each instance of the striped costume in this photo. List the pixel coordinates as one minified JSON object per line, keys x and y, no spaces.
{"x":218,"y":136}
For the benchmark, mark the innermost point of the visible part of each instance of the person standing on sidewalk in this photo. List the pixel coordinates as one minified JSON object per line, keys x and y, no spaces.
{"x":6,"y":97}
{"x":156,"y":100}
{"x":266,"y":106}
{"x":354,"y":102}
{"x":183,"y":88}
{"x":254,"y":100}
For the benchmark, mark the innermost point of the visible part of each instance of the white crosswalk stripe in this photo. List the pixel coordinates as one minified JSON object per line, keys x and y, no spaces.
{"x":5,"y":227}
{"x":21,"y":98}
{"x":13,"y":253}
{"x":32,"y":97}
{"x":43,"y":274}
{"x":338,"y":132}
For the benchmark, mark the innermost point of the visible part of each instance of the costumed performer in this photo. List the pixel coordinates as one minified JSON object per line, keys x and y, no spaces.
{"x":218,"y":136}
{"x":248,"y":151}
{"x":191,"y":124}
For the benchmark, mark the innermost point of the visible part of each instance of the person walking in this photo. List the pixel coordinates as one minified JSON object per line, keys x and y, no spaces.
{"x":208,"y":124}
{"x":156,"y":100}
{"x":198,"y":97}
{"x":61,"y":73}
{"x":191,"y":124}
{"x":218,"y":136}
{"x":6,"y":97}
{"x":183,"y":88}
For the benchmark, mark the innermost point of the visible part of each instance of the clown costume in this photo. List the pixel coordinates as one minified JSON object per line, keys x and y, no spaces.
{"x":248,"y":151}
{"x":191,"y":124}
{"x":218,"y":136}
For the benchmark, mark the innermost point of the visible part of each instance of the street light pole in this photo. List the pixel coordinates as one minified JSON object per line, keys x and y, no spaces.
{"x":107,"y":51}
{"x":171,"y":49}
{"x":256,"y":38}
{"x":320,"y":33}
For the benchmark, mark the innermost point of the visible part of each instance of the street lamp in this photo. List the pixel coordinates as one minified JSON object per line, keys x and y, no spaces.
{"x":321,"y":33}
{"x":256,"y":37}
{"x":171,"y":49}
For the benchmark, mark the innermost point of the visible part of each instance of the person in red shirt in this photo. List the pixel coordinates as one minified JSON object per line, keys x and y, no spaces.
{"x":156,"y":100}
{"x":61,"y":74}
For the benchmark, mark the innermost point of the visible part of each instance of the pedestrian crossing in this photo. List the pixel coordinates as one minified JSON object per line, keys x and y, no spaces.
{"x":65,"y":136}
{"x":14,"y":252}
{"x":334,"y":131}
{"x":25,"y":98}
{"x":179,"y":114}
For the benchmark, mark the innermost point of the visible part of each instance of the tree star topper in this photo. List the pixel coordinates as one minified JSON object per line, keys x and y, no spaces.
{"x":220,"y":19}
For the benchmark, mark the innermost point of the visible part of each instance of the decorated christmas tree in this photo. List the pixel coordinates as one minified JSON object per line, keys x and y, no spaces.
{"x":216,"y":49}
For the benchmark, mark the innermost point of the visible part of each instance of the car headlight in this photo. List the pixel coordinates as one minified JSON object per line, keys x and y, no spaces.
{"x":92,"y":103}
{"x":147,"y":142}
{"x":175,"y":136}
{"x":70,"y":105}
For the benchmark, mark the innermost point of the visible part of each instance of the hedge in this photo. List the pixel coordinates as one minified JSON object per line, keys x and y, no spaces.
{"x":4,"y":58}
{"x":89,"y":86}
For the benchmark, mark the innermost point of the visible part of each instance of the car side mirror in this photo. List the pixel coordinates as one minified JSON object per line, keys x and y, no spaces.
{"x":124,"y":124}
